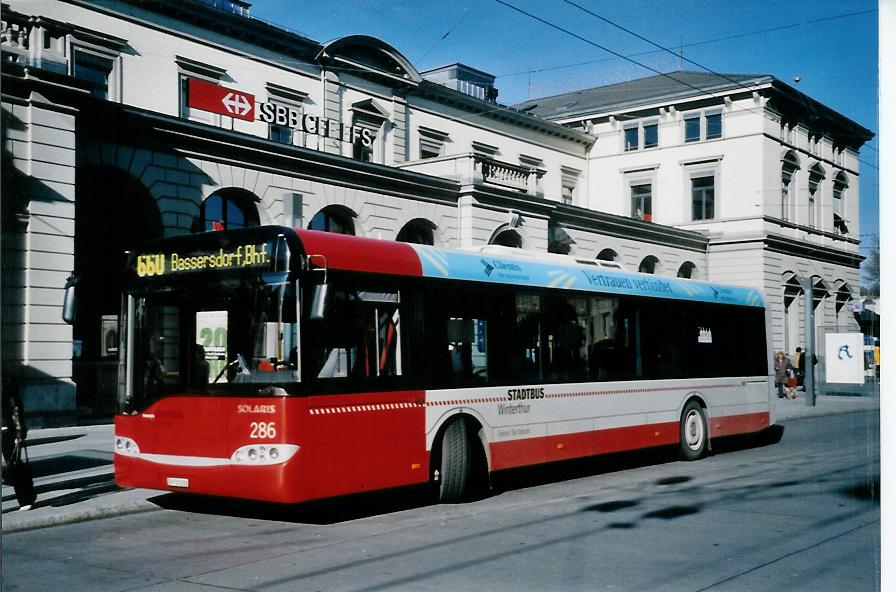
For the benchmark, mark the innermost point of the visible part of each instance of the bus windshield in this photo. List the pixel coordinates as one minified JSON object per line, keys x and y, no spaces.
{"x":215,"y":337}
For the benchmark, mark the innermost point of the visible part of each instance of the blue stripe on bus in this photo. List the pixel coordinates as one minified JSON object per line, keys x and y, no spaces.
{"x":487,"y":267}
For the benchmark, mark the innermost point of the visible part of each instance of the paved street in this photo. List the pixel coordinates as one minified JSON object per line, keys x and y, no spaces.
{"x":802,"y":514}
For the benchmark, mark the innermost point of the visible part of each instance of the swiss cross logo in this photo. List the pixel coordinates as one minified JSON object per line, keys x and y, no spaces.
{"x":217,"y":99}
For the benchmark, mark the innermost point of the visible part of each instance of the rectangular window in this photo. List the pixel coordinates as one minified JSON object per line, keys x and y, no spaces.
{"x":651,"y":135}
{"x":713,"y":126}
{"x":702,"y":126}
{"x":432,"y":143}
{"x":512,"y":336}
{"x":703,"y":198}
{"x":640,"y":135}
{"x":95,"y":70}
{"x":641,"y":198}
{"x":692,"y":128}
{"x":566,"y":194}
{"x":365,"y":146}
{"x":361,"y":338}
{"x":459,"y":335}
{"x":565,"y":327}
{"x":569,"y":182}
{"x":194,"y":114}
{"x":631,"y":138}
{"x":280,"y":134}
{"x":188,"y":69}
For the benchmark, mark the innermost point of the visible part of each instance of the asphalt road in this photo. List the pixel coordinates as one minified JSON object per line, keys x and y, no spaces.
{"x":800,"y":514}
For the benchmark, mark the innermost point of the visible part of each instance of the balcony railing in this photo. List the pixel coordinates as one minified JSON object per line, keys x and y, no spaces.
{"x":33,"y":41}
{"x":472,"y":168}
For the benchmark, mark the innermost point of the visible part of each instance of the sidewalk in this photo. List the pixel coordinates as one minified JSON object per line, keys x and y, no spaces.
{"x":74,"y":478}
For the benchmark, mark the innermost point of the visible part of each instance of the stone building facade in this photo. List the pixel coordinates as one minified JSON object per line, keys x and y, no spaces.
{"x":109,"y":140}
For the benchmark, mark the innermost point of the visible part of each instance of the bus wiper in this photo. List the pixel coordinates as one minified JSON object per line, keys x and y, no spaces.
{"x":237,"y":362}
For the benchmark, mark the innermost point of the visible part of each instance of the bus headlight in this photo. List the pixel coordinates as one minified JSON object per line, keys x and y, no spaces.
{"x":269,"y":454}
{"x":126,"y":446}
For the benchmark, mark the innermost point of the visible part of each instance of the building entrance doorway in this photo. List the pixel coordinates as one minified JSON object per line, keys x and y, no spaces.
{"x":114,"y":212}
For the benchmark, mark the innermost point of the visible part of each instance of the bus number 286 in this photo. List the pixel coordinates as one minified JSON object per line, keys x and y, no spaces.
{"x":262,"y":430}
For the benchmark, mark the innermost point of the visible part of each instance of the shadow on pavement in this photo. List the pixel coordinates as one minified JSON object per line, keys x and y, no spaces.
{"x":66,"y":463}
{"x":365,"y":505}
{"x":40,"y":440}
{"x":323,"y":512}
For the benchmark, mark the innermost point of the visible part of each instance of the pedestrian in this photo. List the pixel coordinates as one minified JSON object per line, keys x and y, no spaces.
{"x":795,"y":360}
{"x":12,"y":443}
{"x":783,"y":365}
{"x":801,"y":367}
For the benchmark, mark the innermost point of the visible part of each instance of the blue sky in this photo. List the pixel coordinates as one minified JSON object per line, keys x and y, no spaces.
{"x":832,"y":46}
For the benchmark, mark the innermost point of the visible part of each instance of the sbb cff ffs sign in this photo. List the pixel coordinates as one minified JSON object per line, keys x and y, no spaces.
{"x":217,"y":99}
{"x":234,"y":103}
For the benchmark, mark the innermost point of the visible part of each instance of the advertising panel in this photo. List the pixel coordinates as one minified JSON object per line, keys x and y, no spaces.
{"x":844,"y":359}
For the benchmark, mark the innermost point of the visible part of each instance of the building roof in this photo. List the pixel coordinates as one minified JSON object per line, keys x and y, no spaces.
{"x":643,"y":91}
{"x":675,"y":87}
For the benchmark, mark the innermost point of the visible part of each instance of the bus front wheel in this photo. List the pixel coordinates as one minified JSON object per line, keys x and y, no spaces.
{"x":693,"y":432}
{"x":454,"y":478}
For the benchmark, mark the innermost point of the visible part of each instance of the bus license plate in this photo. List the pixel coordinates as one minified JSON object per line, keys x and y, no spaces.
{"x":178,"y":482}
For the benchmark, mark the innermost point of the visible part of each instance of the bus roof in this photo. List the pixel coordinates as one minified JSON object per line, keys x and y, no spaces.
{"x":380,"y":256}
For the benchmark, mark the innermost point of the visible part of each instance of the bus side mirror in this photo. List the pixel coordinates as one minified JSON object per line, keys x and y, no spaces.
{"x":320,"y":302}
{"x":69,"y":302}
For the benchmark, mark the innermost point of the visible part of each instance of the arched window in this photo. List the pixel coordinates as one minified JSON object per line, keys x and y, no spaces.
{"x":816,"y":176}
{"x":844,"y":297}
{"x":649,"y":264}
{"x":559,"y":241}
{"x":507,"y":238}
{"x":687,"y":270}
{"x":843,"y":306}
{"x":790,"y":164}
{"x":227,"y":209}
{"x":791,"y":289}
{"x":841,"y":184}
{"x":336,"y":219}
{"x":417,"y":231}
{"x":608,"y":255}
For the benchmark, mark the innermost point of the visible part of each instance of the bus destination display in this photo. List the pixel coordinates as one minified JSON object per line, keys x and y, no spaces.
{"x":243,"y":256}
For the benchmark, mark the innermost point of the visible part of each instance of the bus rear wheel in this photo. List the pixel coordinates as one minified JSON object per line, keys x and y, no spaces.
{"x":455,"y":469}
{"x":692,"y":432}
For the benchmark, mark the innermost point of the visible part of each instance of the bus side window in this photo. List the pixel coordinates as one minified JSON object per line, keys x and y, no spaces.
{"x":361,"y":337}
{"x":457,"y":343}
{"x":467,"y":350}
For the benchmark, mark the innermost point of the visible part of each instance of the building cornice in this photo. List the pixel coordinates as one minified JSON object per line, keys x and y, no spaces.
{"x":626,"y":228}
{"x":810,"y":230}
{"x":164,"y":133}
{"x":452,"y":98}
{"x":788,"y":246}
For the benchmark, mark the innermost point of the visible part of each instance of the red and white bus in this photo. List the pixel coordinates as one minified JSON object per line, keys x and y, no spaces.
{"x":287,"y":365}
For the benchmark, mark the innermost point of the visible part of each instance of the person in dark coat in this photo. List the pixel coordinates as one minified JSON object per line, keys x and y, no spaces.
{"x":801,"y":367}
{"x":782,"y":367}
{"x":14,"y":428}
{"x":12,"y":441}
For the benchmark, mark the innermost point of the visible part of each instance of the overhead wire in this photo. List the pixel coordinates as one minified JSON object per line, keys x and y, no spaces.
{"x":694,"y":43}
{"x":630,"y":59}
{"x":660,"y":47}
{"x":445,"y":36}
{"x":657,"y":45}
{"x":615,"y":53}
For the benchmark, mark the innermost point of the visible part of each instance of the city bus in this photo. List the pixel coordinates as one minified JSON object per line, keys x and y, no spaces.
{"x":287,"y":365}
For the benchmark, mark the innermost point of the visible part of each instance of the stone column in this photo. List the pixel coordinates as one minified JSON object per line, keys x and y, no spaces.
{"x":38,"y":254}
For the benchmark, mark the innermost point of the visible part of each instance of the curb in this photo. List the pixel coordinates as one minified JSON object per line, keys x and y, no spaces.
{"x":38,"y":521}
